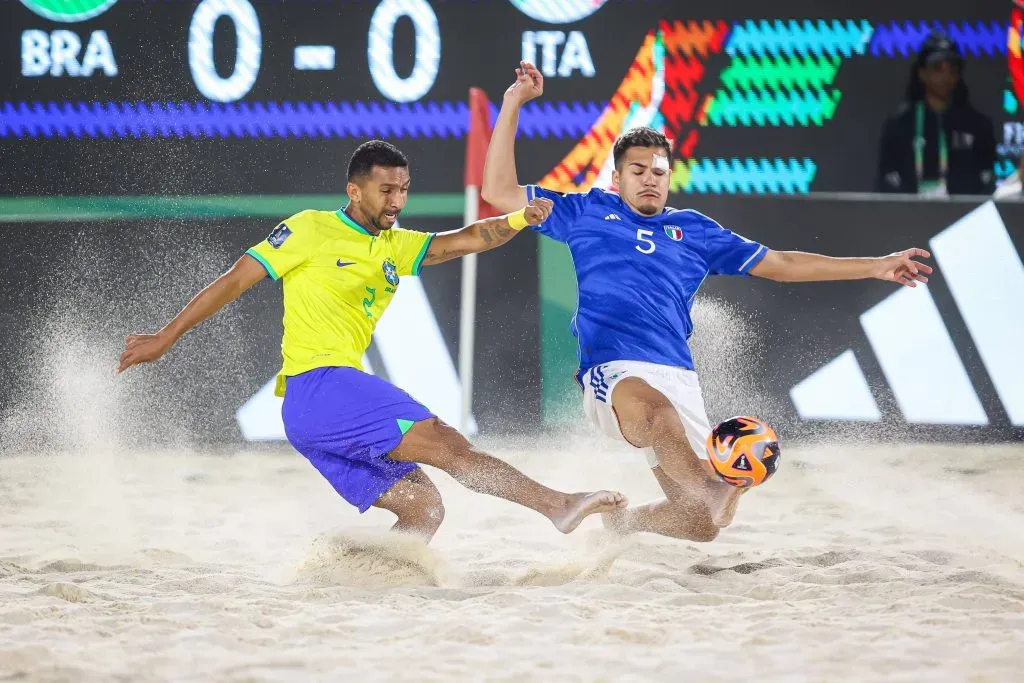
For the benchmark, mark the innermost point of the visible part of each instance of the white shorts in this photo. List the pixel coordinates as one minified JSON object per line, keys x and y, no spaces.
{"x":678,"y":385}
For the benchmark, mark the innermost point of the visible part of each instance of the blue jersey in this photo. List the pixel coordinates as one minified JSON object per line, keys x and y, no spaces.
{"x":638,"y":275}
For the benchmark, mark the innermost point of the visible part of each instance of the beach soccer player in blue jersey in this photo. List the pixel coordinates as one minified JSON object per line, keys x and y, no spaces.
{"x":638,"y":266}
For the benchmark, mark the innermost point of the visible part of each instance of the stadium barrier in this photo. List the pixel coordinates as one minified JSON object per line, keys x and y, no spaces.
{"x":866,"y":358}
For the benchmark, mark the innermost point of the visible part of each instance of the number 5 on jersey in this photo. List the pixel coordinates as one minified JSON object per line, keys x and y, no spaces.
{"x":644,"y":236}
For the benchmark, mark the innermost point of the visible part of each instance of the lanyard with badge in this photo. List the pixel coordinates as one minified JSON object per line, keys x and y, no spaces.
{"x":930,"y":187}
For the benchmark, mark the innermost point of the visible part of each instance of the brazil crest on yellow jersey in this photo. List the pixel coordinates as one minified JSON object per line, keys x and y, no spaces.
{"x":338,"y":279}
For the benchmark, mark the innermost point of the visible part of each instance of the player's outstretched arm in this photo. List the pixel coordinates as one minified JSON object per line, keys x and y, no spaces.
{"x":798,"y":266}
{"x":501,"y":188}
{"x":144,"y":348}
{"x":485,"y":234}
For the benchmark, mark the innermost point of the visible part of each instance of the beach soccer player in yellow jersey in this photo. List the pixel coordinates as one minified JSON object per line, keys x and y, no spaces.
{"x":340,"y":270}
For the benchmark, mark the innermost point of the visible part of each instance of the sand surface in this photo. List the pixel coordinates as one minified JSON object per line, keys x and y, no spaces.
{"x":853,"y":564}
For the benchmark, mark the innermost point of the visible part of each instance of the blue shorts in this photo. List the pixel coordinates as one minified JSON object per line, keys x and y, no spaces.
{"x":345,"y":422}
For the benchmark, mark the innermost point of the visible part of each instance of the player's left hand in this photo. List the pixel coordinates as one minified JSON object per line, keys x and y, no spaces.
{"x":903,"y":269}
{"x":538,"y":211}
{"x":529,"y":84}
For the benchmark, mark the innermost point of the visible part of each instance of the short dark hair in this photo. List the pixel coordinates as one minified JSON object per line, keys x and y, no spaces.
{"x":374,"y":153}
{"x":639,"y":137}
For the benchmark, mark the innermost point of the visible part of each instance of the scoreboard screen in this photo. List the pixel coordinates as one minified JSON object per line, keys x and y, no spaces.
{"x":196,"y":97}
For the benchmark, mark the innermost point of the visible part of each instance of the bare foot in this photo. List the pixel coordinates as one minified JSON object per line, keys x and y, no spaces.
{"x":722,"y":502}
{"x":578,"y":506}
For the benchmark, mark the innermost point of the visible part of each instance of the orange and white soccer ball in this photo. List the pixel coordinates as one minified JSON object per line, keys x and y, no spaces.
{"x":743,"y":451}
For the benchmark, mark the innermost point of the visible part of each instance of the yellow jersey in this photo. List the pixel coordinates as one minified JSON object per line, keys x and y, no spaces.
{"x":337,"y":279}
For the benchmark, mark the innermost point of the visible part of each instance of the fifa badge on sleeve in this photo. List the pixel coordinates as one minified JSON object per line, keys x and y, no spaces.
{"x":278,"y":235}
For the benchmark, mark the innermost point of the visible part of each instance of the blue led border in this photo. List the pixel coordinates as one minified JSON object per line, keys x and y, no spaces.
{"x":278,"y":119}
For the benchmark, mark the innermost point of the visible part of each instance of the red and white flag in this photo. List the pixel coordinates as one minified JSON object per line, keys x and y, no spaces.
{"x":476,"y":148}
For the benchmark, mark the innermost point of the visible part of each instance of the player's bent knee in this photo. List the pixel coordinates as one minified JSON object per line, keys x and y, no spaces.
{"x":699,"y":525}
{"x":434,"y":508}
{"x":433,"y":516}
{"x":642,"y":422}
{"x":430,"y":500}
{"x":697,"y":528}
{"x":662,"y":414}
{"x":425,"y":518}
{"x":663,"y":420}
{"x":705,"y":533}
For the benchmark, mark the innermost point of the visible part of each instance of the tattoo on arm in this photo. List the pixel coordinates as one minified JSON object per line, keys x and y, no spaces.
{"x":493,"y":232}
{"x":504,"y":232}
{"x":440,"y":256}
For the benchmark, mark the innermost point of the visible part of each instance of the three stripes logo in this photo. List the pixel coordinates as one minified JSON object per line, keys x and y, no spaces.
{"x":599,"y":384}
{"x":977,"y":258}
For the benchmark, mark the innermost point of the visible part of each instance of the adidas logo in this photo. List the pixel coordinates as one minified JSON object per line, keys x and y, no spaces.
{"x":612,"y":217}
{"x":983,"y":271}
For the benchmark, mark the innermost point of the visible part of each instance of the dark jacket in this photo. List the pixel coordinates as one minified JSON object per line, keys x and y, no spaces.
{"x":970,"y":139}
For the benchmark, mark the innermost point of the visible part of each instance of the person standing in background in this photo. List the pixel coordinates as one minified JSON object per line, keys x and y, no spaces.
{"x":937,"y":143}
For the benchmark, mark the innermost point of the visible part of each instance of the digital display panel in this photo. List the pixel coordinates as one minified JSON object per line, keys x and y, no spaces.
{"x":269,"y":97}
